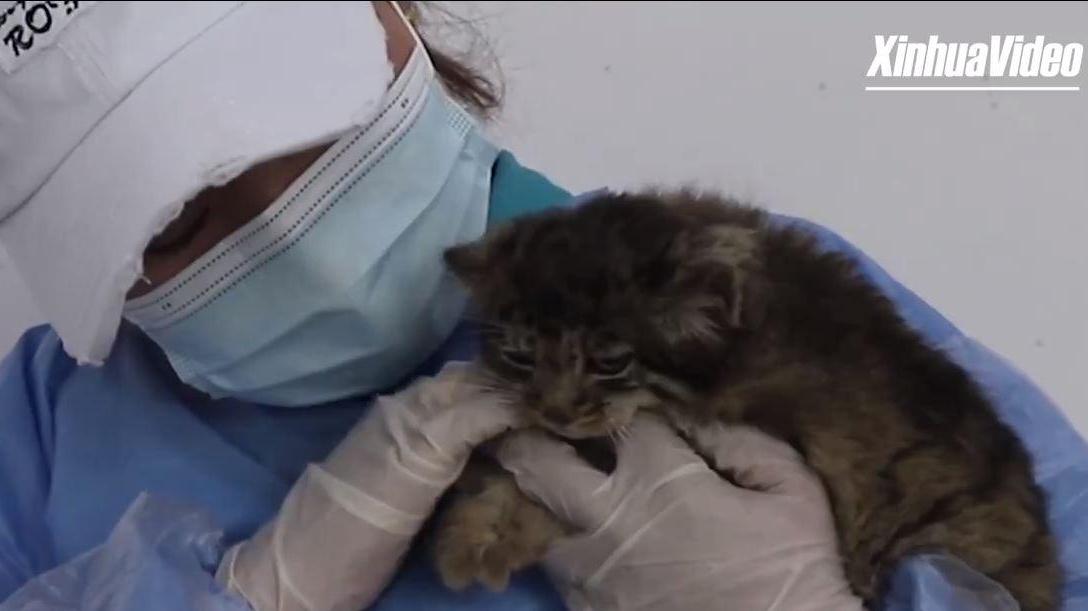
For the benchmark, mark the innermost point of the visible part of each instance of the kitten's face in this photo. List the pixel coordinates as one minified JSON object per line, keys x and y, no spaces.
{"x":592,"y":314}
{"x":575,"y":382}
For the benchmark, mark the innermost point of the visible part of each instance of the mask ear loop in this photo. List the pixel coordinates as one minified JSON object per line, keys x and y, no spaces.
{"x":419,"y":49}
{"x":411,"y":28}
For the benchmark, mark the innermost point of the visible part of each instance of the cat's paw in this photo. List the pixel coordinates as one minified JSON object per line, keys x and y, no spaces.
{"x":488,"y":536}
{"x":863,"y":578}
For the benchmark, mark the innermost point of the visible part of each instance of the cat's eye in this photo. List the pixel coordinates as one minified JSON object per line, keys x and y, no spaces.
{"x":612,"y":365}
{"x":522,"y":359}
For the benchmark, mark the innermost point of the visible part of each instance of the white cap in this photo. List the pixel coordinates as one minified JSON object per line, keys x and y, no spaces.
{"x":114,"y":114}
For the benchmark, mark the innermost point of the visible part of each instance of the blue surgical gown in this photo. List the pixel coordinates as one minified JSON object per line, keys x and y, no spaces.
{"x":119,"y":487}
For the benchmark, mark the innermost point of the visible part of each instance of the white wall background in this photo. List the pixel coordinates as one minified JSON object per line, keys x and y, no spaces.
{"x":976,"y":201}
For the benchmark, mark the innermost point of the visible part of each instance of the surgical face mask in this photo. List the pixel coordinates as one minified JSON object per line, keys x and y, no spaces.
{"x":338,"y":288}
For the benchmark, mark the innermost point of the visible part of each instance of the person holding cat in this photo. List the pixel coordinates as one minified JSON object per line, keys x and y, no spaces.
{"x":291,"y":173}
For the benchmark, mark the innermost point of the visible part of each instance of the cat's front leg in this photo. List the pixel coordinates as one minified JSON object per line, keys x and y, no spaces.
{"x":491,"y":529}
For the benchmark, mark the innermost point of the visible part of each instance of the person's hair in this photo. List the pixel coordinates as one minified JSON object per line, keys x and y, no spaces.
{"x":460,"y":72}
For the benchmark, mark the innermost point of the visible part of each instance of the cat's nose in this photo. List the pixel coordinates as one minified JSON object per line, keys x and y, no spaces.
{"x":559,"y":408}
{"x":559,"y":417}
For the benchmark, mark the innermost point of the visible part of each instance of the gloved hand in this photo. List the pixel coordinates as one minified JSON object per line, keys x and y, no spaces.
{"x":664,"y":531}
{"x":346,"y":524}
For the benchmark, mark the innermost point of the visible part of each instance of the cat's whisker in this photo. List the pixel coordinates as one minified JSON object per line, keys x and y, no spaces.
{"x":610,"y":426}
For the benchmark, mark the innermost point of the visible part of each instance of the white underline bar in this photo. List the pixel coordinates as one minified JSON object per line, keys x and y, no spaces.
{"x":979,"y":88}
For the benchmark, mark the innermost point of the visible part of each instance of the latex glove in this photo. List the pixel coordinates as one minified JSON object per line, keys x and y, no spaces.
{"x":346,"y":524}
{"x":664,"y":531}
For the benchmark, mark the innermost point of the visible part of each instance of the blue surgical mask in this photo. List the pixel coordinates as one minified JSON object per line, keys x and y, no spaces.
{"x":338,"y":289}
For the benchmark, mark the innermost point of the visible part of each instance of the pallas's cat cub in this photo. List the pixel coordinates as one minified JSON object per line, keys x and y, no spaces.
{"x":703,"y":307}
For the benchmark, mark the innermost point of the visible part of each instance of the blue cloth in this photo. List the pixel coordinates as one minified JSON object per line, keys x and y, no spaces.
{"x":1060,"y":455}
{"x":119,"y":488}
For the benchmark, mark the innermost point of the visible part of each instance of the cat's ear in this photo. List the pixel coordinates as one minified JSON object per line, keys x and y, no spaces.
{"x":684,"y":320}
{"x":705,"y":317}
{"x":475,"y":263}
{"x":469,"y":262}
{"x":734,"y":253}
{"x":748,"y":305}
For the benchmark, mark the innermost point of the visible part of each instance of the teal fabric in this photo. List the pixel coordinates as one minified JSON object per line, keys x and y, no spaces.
{"x":517,"y":190}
